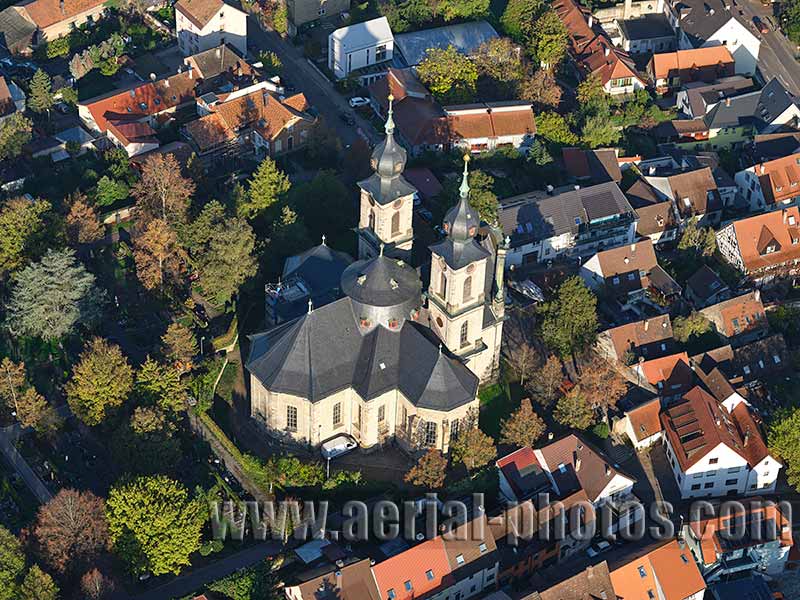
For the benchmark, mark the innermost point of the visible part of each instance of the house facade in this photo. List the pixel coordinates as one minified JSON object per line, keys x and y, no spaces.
{"x":302,"y":13}
{"x":671,"y":70}
{"x":770,"y":185}
{"x":204,"y":24}
{"x":360,"y":45}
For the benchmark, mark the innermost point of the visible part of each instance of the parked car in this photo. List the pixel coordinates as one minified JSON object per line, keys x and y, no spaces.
{"x":598,"y":548}
{"x":425,"y":214}
{"x":337,"y":446}
{"x":357,"y":101}
{"x":760,"y":25}
{"x":528,"y":289}
{"x":347,"y":118}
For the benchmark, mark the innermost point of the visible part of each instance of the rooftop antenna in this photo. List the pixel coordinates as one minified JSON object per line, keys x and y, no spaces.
{"x":381,"y":249}
{"x":310,"y":305}
{"x":323,"y":239}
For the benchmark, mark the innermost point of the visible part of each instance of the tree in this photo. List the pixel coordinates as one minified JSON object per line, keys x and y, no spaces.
{"x":12,"y":564}
{"x":71,"y":529}
{"x":179,"y":344}
{"x":602,"y":385}
{"x":222,"y":252}
{"x":271,"y":63}
{"x":783,"y":440}
{"x":323,"y":145}
{"x":154,"y":524}
{"x":699,"y":240}
{"x":570,"y":320}
{"x":52,"y":297}
{"x":522,"y":360}
{"x":541,"y":89}
{"x":685,"y":328}
{"x":449,"y":75}
{"x":160,"y":385}
{"x":573,"y":410}
{"x":549,"y":41}
{"x":463,"y":9}
{"x":481,"y":196}
{"x":82,"y":224}
{"x":96,"y":586}
{"x":289,"y":236}
{"x":267,"y":186}
{"x":591,"y":95}
{"x":547,"y":380}
{"x":31,"y":406}
{"x":248,"y":584}
{"x":500,"y":68}
{"x":110,"y":191}
{"x":58,"y":47}
{"x":429,"y":471}
{"x":38,"y":585}
{"x":12,"y":382}
{"x":40,"y":97}
{"x":162,"y":192}
{"x":15,"y":132}
{"x":473,"y":448}
{"x":539,"y":155}
{"x":22,"y":227}
{"x":146,"y":444}
{"x":340,"y":208}
{"x":554,"y":129}
{"x":519,"y":17}
{"x":523,"y":427}
{"x":101,"y":381}
{"x":598,"y":130}
{"x":159,"y":258}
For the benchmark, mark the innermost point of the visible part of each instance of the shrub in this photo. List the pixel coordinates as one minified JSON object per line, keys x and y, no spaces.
{"x":601,"y":430}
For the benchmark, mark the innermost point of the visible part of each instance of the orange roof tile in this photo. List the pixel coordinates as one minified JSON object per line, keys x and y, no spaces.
{"x":670,"y":568}
{"x":779,"y":178}
{"x":199,"y":12}
{"x":640,"y":334}
{"x":45,"y":13}
{"x":669,"y":370}
{"x":743,"y":314}
{"x":415,"y":572}
{"x":644,"y":419}
{"x":666,"y":62}
{"x":783,"y":227}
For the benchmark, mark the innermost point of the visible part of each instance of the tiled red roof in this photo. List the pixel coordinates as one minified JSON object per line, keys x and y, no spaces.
{"x":407,"y":573}
{"x":49,"y":12}
{"x":644,"y":419}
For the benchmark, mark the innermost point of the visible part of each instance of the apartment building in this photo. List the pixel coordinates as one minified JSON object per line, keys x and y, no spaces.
{"x":204,"y":24}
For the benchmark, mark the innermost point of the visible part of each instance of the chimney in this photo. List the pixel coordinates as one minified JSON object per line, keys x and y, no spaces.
{"x":727,"y":101}
{"x":652,"y":170}
{"x":578,"y":463}
{"x":549,"y":435}
{"x":763,"y":168}
{"x":218,"y":52}
{"x":608,"y":470}
{"x":757,"y":295}
{"x":646,"y":324}
{"x":746,"y":437}
{"x":606,"y":51}
{"x":633,"y":247}
{"x":61,"y":6}
{"x":190,"y":71}
{"x":591,"y":21}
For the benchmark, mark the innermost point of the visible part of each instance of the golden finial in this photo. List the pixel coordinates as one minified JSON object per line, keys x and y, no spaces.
{"x":466,"y":158}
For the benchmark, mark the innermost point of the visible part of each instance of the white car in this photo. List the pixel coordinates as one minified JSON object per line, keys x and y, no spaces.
{"x":598,"y":548}
{"x":337,"y":446}
{"x":358,"y":101}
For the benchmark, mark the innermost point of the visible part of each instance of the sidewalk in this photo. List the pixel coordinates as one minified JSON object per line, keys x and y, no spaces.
{"x":8,"y":435}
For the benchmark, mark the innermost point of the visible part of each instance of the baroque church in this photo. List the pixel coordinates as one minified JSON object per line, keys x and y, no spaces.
{"x":386,"y":361}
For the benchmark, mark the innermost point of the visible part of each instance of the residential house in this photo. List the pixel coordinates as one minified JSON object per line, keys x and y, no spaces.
{"x":658,"y":219}
{"x":770,"y":185}
{"x":593,"y":582}
{"x":12,"y":98}
{"x":714,"y":451}
{"x":671,"y":376}
{"x":705,"y":288}
{"x":769,"y":146}
{"x":671,"y":70}
{"x":743,"y":366}
{"x":666,"y":572}
{"x":755,"y":537}
{"x":755,"y":587}
{"x":351,"y":581}
{"x":473,"y":557}
{"x":592,"y":166}
{"x":649,"y":338}
{"x":646,"y":34}
{"x":710,"y":23}
{"x":464,"y":37}
{"x":221,"y":70}
{"x":642,"y":424}
{"x":250,"y":121}
{"x":28,"y":24}
{"x":204,"y":24}
{"x":630,"y":274}
{"x":55,"y":146}
{"x":359,"y":46}
{"x":738,"y":320}
{"x":763,"y":247}
{"x":306,"y":13}
{"x":693,"y":193}
{"x":696,"y":99}
{"x":129,"y":118}
{"x":576,"y":222}
{"x":520,"y":476}
{"x":491,"y":125}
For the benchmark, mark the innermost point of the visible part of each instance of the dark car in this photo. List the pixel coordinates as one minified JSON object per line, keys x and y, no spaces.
{"x":348,"y":118}
{"x":760,"y":25}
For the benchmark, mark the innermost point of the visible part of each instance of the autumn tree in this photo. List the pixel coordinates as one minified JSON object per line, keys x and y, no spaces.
{"x":82,"y":224}
{"x":546,"y":381}
{"x":22,"y":226}
{"x":95,"y":585}
{"x":570,"y":319}
{"x":449,"y":75}
{"x":549,"y":40}
{"x":522,"y":360}
{"x":12,"y":382}
{"x":541,"y":89}
{"x":500,"y":68}
{"x":71,"y":529}
{"x":700,"y":241}
{"x":573,"y":410}
{"x":429,"y":471}
{"x":132,"y":509}
{"x":692,"y":326}
{"x":146,"y":444}
{"x":15,"y":132}
{"x":101,"y":381}
{"x":267,"y":186}
{"x":591,"y":95}
{"x":179,"y":345}
{"x":38,"y":585}
{"x":162,"y":192}
{"x":160,"y":385}
{"x":519,"y":18}
{"x":30,"y":408}
{"x":473,"y":448}
{"x":160,"y":260}
{"x":602,"y":385}
{"x":523,"y":427}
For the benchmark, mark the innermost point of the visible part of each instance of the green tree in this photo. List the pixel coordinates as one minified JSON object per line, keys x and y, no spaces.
{"x":481,"y":196}
{"x":38,"y":585}
{"x":154,"y":524}
{"x":58,"y":47}
{"x":573,"y":410}
{"x":160,"y":385}
{"x":248,"y":584}
{"x":500,"y":69}
{"x":554,"y":129}
{"x":340,"y":208}
{"x":463,"y":9}
{"x":52,"y":297}
{"x":473,"y":448}
{"x":523,"y":427}
{"x":146,"y":444}
{"x":12,"y":383}
{"x":598,"y":130}
{"x":69,"y":95}
{"x":101,"y":381}
{"x":429,"y":471}
{"x":22,"y":227}
{"x":272,"y":65}
{"x":591,"y":95}
{"x":783,"y":439}
{"x":109,"y":191}
{"x":15,"y":132}
{"x":40,"y":98}
{"x":685,"y":328}
{"x":264,"y":190}
{"x":449,"y":75}
{"x":12,"y":565}
{"x":549,"y":41}
{"x":519,"y":17}
{"x":289,"y":236}
{"x":570,"y":319}
{"x":698,"y":240}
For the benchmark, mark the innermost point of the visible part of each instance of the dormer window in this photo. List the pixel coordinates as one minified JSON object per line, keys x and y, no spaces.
{"x":791,"y":217}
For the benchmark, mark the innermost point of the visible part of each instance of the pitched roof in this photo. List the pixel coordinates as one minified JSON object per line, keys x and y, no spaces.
{"x":669,"y":569}
{"x":742,"y":314}
{"x":761,"y":358}
{"x":423,"y":179}
{"x":470,"y":548}
{"x":665,"y":63}
{"x":758,"y":108}
{"x":407,"y":573}
{"x":638,"y":334}
{"x":779,"y":179}
{"x":523,"y":472}
{"x":672,"y":372}
{"x":199,"y":12}
{"x":49,"y":12}
{"x":646,"y":27}
{"x":464,"y":37}
{"x":633,"y":267}
{"x":700,"y":95}
{"x":655,"y":218}
{"x":490,"y":120}
{"x":216,"y":61}
{"x":599,"y":165}
{"x":695,"y":192}
{"x":644,"y":419}
{"x":16,"y":29}
{"x":363,"y":35}
{"x":704,"y":283}
{"x":701,"y":19}
{"x":349,"y":582}
{"x":592,"y":583}
{"x":7,"y":106}
{"x":783,"y":225}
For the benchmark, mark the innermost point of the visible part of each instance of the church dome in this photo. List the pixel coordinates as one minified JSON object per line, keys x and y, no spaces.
{"x":389,"y":157}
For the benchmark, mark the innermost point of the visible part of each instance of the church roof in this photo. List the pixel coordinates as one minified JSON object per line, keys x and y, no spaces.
{"x":324,"y":351}
{"x":458,"y":255}
{"x":385,"y":191}
{"x":381,"y":281}
{"x":321,"y":267}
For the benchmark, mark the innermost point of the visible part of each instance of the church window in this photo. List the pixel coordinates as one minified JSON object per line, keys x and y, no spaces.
{"x":381,"y":413}
{"x":291,"y":418}
{"x":443,"y":285}
{"x":430,"y":434}
{"x":337,"y":414}
{"x":467,"y":288}
{"x":464,"y":333}
{"x":396,"y":223}
{"x":454,"y":429}
{"x":372,"y":220}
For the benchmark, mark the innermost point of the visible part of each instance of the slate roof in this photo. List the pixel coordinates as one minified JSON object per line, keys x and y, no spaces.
{"x":704,"y":283}
{"x":700,"y":95}
{"x":759,"y":108}
{"x":350,"y":582}
{"x":751,"y":588}
{"x":599,"y":165}
{"x":464,"y":37}
{"x":523,"y":472}
{"x":324,"y":351}
{"x":381,"y":281}
{"x":646,"y":27}
{"x":704,"y":18}
{"x":16,"y":29}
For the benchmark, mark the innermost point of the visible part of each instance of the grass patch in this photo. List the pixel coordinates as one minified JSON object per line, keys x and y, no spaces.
{"x":497,"y":402}
{"x":93,"y":84}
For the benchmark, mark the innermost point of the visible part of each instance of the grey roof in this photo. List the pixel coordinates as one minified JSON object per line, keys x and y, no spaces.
{"x":751,"y":588}
{"x":647,"y":27}
{"x":700,"y":95}
{"x":320,"y":267}
{"x":464,"y":37}
{"x":534,"y":217}
{"x":704,"y":283}
{"x":325,"y":351}
{"x":16,"y":31}
{"x":703,"y":18}
{"x":215,"y":61}
{"x":381,"y":281}
{"x":363,"y":35}
{"x":642,"y":194}
{"x":457,"y":254}
{"x":759,"y":108}
{"x":385,"y":191}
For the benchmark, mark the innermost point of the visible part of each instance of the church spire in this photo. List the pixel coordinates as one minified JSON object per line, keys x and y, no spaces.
{"x":389,"y":127}
{"x":464,"y":189}
{"x":461,"y":221}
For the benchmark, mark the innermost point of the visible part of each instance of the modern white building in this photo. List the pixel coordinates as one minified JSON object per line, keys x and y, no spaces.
{"x":361,"y":45}
{"x":204,"y":24}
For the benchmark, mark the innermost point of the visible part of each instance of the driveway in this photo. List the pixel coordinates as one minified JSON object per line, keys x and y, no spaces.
{"x":776,"y":57}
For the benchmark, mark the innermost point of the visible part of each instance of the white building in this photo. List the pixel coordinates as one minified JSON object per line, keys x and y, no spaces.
{"x":770,"y":185}
{"x":642,"y":425}
{"x":361,"y":45}
{"x":204,"y":24}
{"x":716,"y":451}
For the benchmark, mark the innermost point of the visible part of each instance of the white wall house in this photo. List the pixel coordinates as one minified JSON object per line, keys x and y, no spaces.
{"x":742,"y":43}
{"x":771,"y":185}
{"x":361,"y":45}
{"x":204,"y":24}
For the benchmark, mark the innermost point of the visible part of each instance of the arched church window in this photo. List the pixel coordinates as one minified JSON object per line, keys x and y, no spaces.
{"x":464,"y":333}
{"x":443,"y":285}
{"x":396,"y":223}
{"x":467,"y":288}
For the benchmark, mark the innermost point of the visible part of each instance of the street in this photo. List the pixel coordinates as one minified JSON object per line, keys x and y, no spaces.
{"x":318,"y":90}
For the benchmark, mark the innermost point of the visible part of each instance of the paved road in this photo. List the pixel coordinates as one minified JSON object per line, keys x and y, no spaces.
{"x":8,"y":435}
{"x":318,"y":90}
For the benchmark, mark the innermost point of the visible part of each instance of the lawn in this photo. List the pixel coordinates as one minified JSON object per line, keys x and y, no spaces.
{"x":94,"y":84}
{"x":497,"y":402}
